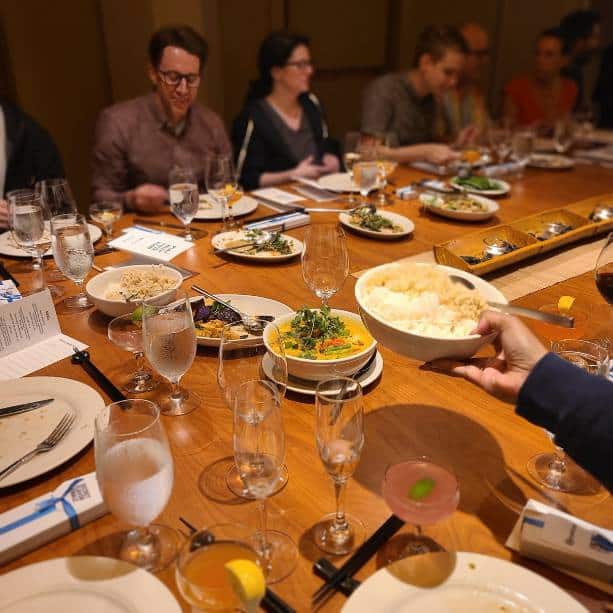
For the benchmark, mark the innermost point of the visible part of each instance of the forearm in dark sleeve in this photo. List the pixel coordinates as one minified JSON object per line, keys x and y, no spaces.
{"x":577,"y":408}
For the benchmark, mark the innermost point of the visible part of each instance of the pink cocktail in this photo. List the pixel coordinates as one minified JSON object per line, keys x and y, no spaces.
{"x":421,"y":493}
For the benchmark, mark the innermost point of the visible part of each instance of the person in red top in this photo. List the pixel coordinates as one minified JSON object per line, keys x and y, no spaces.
{"x":545,"y":96}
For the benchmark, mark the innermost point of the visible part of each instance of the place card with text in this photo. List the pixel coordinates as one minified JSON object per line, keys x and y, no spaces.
{"x":160,"y":246}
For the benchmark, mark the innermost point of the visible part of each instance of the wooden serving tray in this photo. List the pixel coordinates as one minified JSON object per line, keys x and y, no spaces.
{"x":521,"y":234}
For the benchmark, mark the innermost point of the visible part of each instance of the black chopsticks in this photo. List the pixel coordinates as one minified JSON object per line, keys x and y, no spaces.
{"x":82,"y":359}
{"x":366,"y":551}
{"x":271,"y":602}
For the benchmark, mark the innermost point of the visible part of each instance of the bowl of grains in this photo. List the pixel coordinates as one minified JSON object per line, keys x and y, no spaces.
{"x":120,"y":290}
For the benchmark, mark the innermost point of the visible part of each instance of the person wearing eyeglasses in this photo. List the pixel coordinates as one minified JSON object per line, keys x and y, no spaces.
{"x":464,"y":105}
{"x":281,"y":132}
{"x":138,"y":141}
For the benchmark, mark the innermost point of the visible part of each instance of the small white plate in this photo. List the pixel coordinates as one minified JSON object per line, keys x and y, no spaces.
{"x":9,"y":247}
{"x":457,"y":583}
{"x":399,"y":220}
{"x":302,"y":386}
{"x":210,"y":209}
{"x":252,"y":305}
{"x":433,"y":203}
{"x":340,"y":182}
{"x":84,"y":583}
{"x":219,"y":241}
{"x":19,"y":434}
{"x":502,"y":189}
{"x":549,"y":161}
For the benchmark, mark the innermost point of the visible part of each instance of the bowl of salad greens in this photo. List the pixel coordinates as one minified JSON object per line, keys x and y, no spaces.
{"x":321,"y":343}
{"x":477,"y":184}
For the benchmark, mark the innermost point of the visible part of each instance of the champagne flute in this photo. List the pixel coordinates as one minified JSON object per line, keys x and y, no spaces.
{"x":241,"y":360}
{"x":339,"y":433}
{"x":222,"y":184}
{"x":127,"y":333}
{"x":73,"y":253}
{"x":386,"y":166}
{"x":259,"y":453}
{"x":184,"y":197}
{"x":134,"y":469}
{"x":325,"y":261}
{"x":365,"y":176}
{"x":106,"y":213}
{"x":552,"y":469}
{"x":169,"y":340}
{"x":351,"y":155}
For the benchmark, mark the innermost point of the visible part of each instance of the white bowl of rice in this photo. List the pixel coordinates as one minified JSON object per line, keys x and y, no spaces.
{"x":418,"y":311}
{"x":120,"y":290}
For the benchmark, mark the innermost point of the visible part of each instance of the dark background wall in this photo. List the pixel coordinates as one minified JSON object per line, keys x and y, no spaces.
{"x":64,"y":61}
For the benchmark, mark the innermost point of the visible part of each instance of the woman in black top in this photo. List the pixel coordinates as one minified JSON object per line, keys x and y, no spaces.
{"x":281,"y":132}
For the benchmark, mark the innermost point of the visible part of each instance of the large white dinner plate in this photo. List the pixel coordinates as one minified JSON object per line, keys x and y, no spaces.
{"x":399,"y":220}
{"x":252,"y":305}
{"x":84,"y":584}
{"x":433,"y":202}
{"x":210,"y":209}
{"x":19,"y":434}
{"x":502,"y":188}
{"x":475,"y":583}
{"x":9,"y":247}
{"x":340,"y":182}
{"x":550,"y":161}
{"x":303,"y":386}
{"x":220,"y":241}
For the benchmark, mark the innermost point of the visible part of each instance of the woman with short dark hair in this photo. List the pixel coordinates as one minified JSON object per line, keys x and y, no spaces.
{"x":281,"y":132}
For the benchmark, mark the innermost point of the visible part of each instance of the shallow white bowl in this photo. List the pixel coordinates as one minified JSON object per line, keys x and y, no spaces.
{"x":98,"y":286}
{"x":420,"y":346}
{"x":318,"y":370}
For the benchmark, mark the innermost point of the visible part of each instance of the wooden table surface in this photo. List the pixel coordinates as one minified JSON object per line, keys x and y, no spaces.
{"x":409,"y":412}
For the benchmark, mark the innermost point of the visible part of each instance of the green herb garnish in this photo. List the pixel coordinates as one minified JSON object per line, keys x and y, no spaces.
{"x":276,"y":242}
{"x":420,"y":489}
{"x":365,"y":218}
{"x":480,"y":183}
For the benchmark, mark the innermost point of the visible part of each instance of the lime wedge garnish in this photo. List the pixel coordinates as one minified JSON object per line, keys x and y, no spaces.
{"x":420,"y":489}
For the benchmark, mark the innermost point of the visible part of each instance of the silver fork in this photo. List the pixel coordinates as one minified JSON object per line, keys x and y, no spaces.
{"x":48,"y":444}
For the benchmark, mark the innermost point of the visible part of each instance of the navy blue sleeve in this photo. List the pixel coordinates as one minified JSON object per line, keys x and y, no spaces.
{"x":577,"y":408}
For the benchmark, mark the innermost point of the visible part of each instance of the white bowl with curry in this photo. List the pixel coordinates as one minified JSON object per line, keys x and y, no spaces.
{"x":322,"y":343}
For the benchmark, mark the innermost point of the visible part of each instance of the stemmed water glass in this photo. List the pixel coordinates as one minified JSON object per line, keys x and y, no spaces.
{"x":386,"y":166}
{"x":522,"y":144}
{"x":365,"y":175}
{"x":243,"y":358}
{"x":352,"y":155}
{"x":563,"y":134}
{"x":73,"y":253}
{"x":339,"y":433}
{"x":127,"y":333}
{"x":134,"y":469}
{"x":604,"y":270}
{"x":325,"y":261}
{"x":222,"y":184}
{"x":106,"y":213}
{"x":169,"y":340}
{"x":259,"y":453}
{"x":184,"y":197}
{"x":499,"y":136}
{"x":553,"y":469}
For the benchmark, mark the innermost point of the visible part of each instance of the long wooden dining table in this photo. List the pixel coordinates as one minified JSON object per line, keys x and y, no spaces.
{"x":409,"y":411}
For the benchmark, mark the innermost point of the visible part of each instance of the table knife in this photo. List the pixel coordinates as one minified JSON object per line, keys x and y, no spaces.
{"x":24,"y":408}
{"x":565,"y":321}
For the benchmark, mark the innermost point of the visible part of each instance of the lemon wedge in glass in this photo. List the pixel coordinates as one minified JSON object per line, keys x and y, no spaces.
{"x":247,"y":581}
{"x":565,"y":303}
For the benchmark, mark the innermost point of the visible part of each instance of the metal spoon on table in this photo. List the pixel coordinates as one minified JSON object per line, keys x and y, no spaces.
{"x":558,"y":320}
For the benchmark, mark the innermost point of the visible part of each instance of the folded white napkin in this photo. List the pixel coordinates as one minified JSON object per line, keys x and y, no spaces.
{"x":568,"y":543}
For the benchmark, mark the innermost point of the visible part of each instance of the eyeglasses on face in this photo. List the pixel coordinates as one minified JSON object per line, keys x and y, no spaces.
{"x":174,"y":78}
{"x":301,"y":64}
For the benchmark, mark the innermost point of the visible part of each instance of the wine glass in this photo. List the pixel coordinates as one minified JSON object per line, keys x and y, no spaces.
{"x":184,"y":197}
{"x":552,"y":469}
{"x":259,"y":453}
{"x":386,"y":166}
{"x":522,"y":144}
{"x":325,"y":261}
{"x":339,"y":433}
{"x":604,"y":270}
{"x":563,"y":135}
{"x":351,"y":155}
{"x":422,"y":493}
{"x":201,"y":577}
{"x":73,"y":253}
{"x":169,"y":340}
{"x":127,"y":333}
{"x":222,"y":184}
{"x":247,"y":359}
{"x":499,"y":136}
{"x":365,"y":175}
{"x":106,"y":213}
{"x":584,"y":121}
{"x":134,"y":469}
